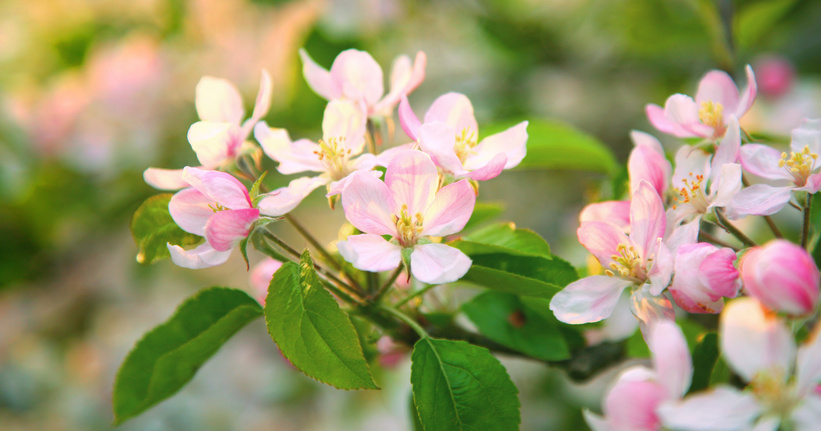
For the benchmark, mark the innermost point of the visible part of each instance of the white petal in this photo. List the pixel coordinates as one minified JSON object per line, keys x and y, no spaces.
{"x":588,"y":300}
{"x":438,"y":263}
{"x":721,"y":409}
{"x":204,"y":256}
{"x":219,"y":101}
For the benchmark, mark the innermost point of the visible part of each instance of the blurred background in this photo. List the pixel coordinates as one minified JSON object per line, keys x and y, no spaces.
{"x":92,"y":92}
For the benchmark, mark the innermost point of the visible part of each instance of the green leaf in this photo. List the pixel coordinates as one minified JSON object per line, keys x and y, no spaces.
{"x":507,"y":239}
{"x":705,"y":356}
{"x":166,"y":358}
{"x":755,"y":20}
{"x":552,"y":144}
{"x":505,"y":319}
{"x":520,"y":275}
{"x":312,"y":331}
{"x":459,"y":386}
{"x":483,"y":212}
{"x":153,"y":228}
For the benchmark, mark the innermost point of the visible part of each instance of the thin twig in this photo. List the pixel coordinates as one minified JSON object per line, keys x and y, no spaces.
{"x":418,"y":293}
{"x":716,"y":241}
{"x":773,"y":227}
{"x":729,"y":227}
{"x":805,"y":233}
{"x":384,"y":289}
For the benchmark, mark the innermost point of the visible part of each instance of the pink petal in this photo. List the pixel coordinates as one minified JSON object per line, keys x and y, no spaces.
{"x":762,"y":161}
{"x":451,"y":209}
{"x":260,"y":277}
{"x":688,"y":289}
{"x":512,"y":142}
{"x":219,"y":186}
{"x":190,"y":210}
{"x":437,"y":140}
{"x":404,"y":79}
{"x":408,"y":120}
{"x":438,"y":263}
{"x":729,"y":149}
{"x":719,"y":274}
{"x":808,"y":364}
{"x":164,"y":179}
{"x":212,"y":142}
{"x":721,"y":409}
{"x":671,"y":358}
{"x":204,"y":256}
{"x":806,"y":416}
{"x":602,"y":239}
{"x":318,"y":78}
{"x":813,"y":184}
{"x":641,"y":139}
{"x":369,"y":204}
{"x":336,"y":187}
{"x":631,"y":404}
{"x":358,"y":75}
{"x":661,"y":270}
{"x":783,"y":276}
{"x":748,"y":96}
{"x":759,"y":199}
{"x":690,"y":163}
{"x":284,"y":199}
{"x":646,"y":164}
{"x":491,"y":170}
{"x":293,"y":157}
{"x":263,"y":102}
{"x":218,"y":100}
{"x":588,"y":300}
{"x":596,"y":422}
{"x":728,"y":184}
{"x":615,"y":212}
{"x":657,"y":117}
{"x":346,"y":120}
{"x":455,"y":110}
{"x":753,"y":341}
{"x":684,"y":234}
{"x":717,"y":87}
{"x":226,"y":228}
{"x":808,"y":134}
{"x":682,"y":111}
{"x":647,"y":219}
{"x":413,"y":179}
{"x":370,"y":252}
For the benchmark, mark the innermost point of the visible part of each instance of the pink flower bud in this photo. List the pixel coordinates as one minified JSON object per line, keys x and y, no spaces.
{"x":782,"y":276}
{"x":775,"y":75}
{"x":704,"y":276}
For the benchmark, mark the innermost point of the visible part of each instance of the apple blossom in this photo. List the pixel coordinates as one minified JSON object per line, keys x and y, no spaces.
{"x":704,"y":275}
{"x":450,"y":135}
{"x":218,"y":138}
{"x":782,"y":385}
{"x":631,"y":260}
{"x":356,"y":76}
{"x":717,"y":100}
{"x":408,"y":207}
{"x":260,"y":277}
{"x":783,"y":276}
{"x":800,"y":168}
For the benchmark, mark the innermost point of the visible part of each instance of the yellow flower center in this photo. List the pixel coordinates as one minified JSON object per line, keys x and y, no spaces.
{"x":771,"y":389}
{"x":334,"y":156}
{"x":712,"y":114}
{"x":693,"y":193}
{"x":465,"y":142}
{"x":217,"y":207}
{"x":800,"y":165}
{"x":627,"y":264}
{"x":408,"y":229}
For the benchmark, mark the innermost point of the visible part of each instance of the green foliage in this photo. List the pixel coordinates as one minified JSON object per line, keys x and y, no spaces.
{"x":166,"y":358}
{"x":153,"y":228}
{"x":552,"y":144}
{"x":505,"y":319}
{"x":506,"y":236}
{"x":755,"y":20}
{"x":483,"y":212}
{"x":705,"y":356}
{"x":312,"y":331}
{"x":459,"y":386}
{"x":815,"y":231}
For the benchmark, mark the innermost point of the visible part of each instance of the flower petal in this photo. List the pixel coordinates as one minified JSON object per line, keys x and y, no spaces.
{"x":260,"y":277}
{"x":408,"y":120}
{"x":284,"y":199}
{"x":807,"y":415}
{"x":729,"y":149}
{"x":647,"y":164}
{"x":438,"y":263}
{"x":683,"y":112}
{"x":213,"y":142}
{"x":219,"y":186}
{"x":346,"y":120}
{"x":614,"y":212}
{"x":808,"y":134}
{"x":491,"y":170}
{"x":512,"y":142}
{"x":358,"y":75}
{"x":404,"y":79}
{"x":437,"y":139}
{"x":596,"y":422}
{"x":293,"y":157}
{"x":455,"y":110}
{"x":602,"y":239}
{"x":808,"y":365}
{"x":722,"y":409}
{"x":762,"y":161}
{"x":369,"y":204}
{"x":689,"y":290}
{"x":218,"y":100}
{"x":758,"y":199}
{"x":718,"y":87}
{"x":671,"y":358}
{"x":588,"y":300}
{"x":631,"y":403}
{"x":657,"y":117}
{"x":370,"y":252}
{"x":728,"y":184}
{"x":690,"y":163}
{"x":748,"y":96}
{"x":318,"y":78}
{"x":204,"y":256}
{"x":226,"y":228}
{"x":662,"y":269}
{"x":263,"y":102}
{"x":647,"y":219}
{"x":413,"y":179}
{"x":164,"y":179}
{"x":752,"y":341}
{"x":190,"y":210}
{"x":450,"y":210}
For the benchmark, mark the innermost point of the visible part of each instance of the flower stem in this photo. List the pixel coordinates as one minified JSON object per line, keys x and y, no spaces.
{"x":706,"y":236}
{"x":418,"y":293}
{"x":805,"y":233}
{"x":370,"y":137}
{"x":406,"y":319}
{"x":724,"y":223}
{"x":385,"y":287}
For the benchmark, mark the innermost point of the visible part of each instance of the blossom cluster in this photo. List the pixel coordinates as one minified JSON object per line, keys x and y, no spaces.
{"x":672,"y":248}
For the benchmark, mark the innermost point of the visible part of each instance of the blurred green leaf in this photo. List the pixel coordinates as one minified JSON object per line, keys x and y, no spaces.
{"x":483,"y":212}
{"x":505,"y":319}
{"x":168,"y":356}
{"x":755,"y":20}
{"x":459,"y":386}
{"x":312,"y":331}
{"x":705,"y":356}
{"x":152,"y":228}
{"x":552,"y":144}
{"x":815,"y":225}
{"x":508,"y":237}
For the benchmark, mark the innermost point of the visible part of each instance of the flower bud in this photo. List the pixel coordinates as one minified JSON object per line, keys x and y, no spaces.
{"x":704,"y":276}
{"x":782,"y":276}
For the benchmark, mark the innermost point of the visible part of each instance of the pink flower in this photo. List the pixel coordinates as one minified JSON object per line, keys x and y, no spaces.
{"x":775,"y":75}
{"x":707,"y":116}
{"x":631,"y":403}
{"x":800,"y":168}
{"x":630,"y":260}
{"x":760,"y":349}
{"x":219,"y":136}
{"x":704,"y":276}
{"x":408,"y":207}
{"x":450,"y":135}
{"x":783,"y":276}
{"x":356,"y":76}
{"x":260,"y":277}
{"x":216,"y":206}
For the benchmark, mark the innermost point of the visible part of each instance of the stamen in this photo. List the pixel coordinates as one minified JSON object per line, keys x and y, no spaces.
{"x":712,"y":114}
{"x":800,"y":165}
